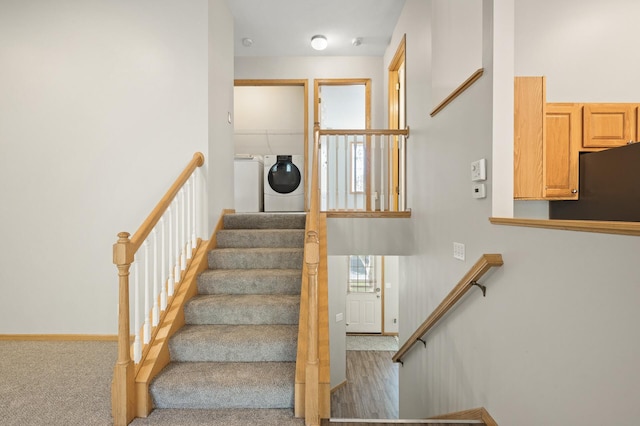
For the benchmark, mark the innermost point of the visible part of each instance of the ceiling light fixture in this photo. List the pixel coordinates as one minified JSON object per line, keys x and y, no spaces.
{"x":247,"y":42}
{"x":319,"y":42}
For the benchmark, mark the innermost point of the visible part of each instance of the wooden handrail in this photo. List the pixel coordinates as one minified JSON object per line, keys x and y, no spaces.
{"x":458,"y":91}
{"x":143,"y":232}
{"x":366,"y":132}
{"x":486,"y":262}
{"x":123,"y":399}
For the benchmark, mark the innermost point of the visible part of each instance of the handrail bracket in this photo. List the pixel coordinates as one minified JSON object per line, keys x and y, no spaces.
{"x":423,"y":342}
{"x":482,"y":287}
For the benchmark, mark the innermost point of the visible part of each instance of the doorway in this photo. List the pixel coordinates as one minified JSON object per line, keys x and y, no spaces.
{"x":343,"y":104}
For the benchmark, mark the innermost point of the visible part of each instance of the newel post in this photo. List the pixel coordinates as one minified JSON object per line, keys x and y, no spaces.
{"x":122,"y":387}
{"x":312,"y":258}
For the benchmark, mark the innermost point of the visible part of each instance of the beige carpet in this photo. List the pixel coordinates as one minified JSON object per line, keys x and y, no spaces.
{"x":69,"y":384}
{"x":372,"y":343}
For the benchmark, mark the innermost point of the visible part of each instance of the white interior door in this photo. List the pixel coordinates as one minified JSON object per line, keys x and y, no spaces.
{"x":364,"y":296}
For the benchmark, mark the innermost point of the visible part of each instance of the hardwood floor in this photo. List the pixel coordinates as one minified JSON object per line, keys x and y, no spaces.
{"x":371,"y":391}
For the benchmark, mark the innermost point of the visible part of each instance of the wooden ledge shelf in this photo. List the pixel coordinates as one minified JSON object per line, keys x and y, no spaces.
{"x":603,"y":227}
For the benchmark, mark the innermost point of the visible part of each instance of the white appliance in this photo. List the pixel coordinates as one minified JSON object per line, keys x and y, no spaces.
{"x":283,"y":183}
{"x":248,"y":172}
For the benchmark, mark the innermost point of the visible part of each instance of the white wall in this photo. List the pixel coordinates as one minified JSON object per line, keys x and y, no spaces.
{"x":338,"y":271}
{"x":220,"y":91}
{"x":269,"y":120}
{"x":551,"y":343}
{"x":102,"y":106}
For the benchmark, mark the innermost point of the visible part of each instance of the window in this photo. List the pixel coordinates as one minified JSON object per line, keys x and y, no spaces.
{"x":357,"y":167}
{"x":362,"y":274}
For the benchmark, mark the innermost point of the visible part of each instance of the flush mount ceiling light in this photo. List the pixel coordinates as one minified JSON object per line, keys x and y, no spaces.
{"x":319,"y":42}
{"x":247,"y":42}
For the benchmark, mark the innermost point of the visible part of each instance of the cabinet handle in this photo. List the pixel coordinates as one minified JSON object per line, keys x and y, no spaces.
{"x":574,"y":191}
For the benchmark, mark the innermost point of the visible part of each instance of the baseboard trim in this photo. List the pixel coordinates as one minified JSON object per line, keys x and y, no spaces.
{"x":338,"y":386}
{"x":61,"y":337}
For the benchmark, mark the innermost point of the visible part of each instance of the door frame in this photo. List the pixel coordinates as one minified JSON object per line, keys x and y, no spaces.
{"x":395,"y":108}
{"x":366,"y":82}
{"x":290,"y":82}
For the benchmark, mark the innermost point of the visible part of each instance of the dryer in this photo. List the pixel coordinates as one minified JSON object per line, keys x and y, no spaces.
{"x":283,"y":183}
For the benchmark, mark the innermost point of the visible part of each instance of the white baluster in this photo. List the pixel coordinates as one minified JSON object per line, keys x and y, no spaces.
{"x":137,"y":347}
{"x":177,"y":246}
{"x":170,"y":281}
{"x":183,"y":234}
{"x":384,"y":171}
{"x":163,"y":269}
{"x":372,"y":172}
{"x":155,"y":310}
{"x":147,"y":295}
{"x":187,"y":236}
{"x":193,"y":211}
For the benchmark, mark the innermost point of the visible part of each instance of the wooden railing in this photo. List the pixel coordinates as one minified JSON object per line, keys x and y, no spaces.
{"x":167,"y":270}
{"x":486,"y":262}
{"x":362,"y":170}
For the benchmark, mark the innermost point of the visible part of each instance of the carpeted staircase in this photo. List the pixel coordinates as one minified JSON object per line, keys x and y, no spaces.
{"x":238,"y":347}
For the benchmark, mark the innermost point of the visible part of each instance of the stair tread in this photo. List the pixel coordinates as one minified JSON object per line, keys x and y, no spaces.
{"x":223,"y":417}
{"x":225,"y":385}
{"x":264,"y":221}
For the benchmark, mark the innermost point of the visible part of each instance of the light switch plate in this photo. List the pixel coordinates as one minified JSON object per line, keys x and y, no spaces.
{"x":479,"y":170}
{"x":458,"y":251}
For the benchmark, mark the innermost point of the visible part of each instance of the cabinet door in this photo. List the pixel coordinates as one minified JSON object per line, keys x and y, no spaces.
{"x":608,"y":125}
{"x":561,"y":150}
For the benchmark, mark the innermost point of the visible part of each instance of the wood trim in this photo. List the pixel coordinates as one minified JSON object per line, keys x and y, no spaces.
{"x":486,"y":262}
{"x":474,"y":414}
{"x":60,"y":337}
{"x":603,"y":227}
{"x":339,"y":386}
{"x":362,"y":214}
{"x":458,"y":91}
{"x":367,"y":132}
{"x":157,"y":356}
{"x":143,"y":232}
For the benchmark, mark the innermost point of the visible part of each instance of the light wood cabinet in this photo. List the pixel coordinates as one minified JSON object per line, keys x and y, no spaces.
{"x":563,"y":136}
{"x":609,"y":125}
{"x":547,"y":140}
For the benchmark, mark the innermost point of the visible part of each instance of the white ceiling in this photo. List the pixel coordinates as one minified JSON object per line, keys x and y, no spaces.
{"x":285,"y":27}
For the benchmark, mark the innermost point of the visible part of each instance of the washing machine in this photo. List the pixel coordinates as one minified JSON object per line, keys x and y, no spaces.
{"x":283,"y":183}
{"x":248,"y":172}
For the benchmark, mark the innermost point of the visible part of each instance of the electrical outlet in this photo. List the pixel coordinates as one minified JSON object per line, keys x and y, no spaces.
{"x":458,"y":251}
{"x":479,"y":170}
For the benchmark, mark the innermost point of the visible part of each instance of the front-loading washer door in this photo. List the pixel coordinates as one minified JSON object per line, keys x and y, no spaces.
{"x":284,"y":177}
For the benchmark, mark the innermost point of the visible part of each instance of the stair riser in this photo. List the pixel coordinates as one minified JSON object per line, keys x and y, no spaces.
{"x":267,"y":259}
{"x":225,"y":385}
{"x":260,"y":238}
{"x":286,"y":314}
{"x":258,"y":283}
{"x":257,"y":351}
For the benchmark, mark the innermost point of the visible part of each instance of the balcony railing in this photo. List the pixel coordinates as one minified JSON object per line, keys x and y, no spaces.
{"x":362,"y":170}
